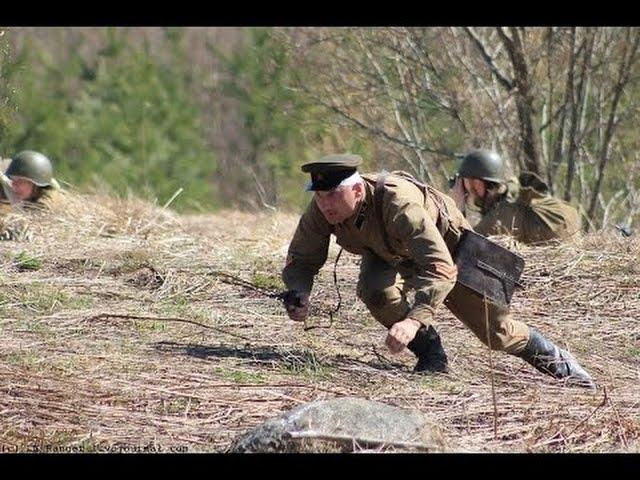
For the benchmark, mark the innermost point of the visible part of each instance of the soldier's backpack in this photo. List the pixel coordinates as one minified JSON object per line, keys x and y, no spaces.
{"x":483,"y":266}
{"x":545,"y":217}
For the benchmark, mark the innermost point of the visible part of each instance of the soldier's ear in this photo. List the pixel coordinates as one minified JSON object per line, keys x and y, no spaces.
{"x":358,"y":188}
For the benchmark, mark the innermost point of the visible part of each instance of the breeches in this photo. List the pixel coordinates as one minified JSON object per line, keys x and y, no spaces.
{"x":382,"y":289}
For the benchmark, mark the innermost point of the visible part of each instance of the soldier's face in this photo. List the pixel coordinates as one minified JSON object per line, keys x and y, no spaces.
{"x":22,"y":188}
{"x":476,"y":190}
{"x":339,"y":204}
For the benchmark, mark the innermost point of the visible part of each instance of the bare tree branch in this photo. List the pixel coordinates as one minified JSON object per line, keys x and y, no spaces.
{"x":627,"y":61}
{"x":502,"y":78}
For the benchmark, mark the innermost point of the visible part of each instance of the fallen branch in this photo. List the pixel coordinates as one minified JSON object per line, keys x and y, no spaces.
{"x":102,"y":316}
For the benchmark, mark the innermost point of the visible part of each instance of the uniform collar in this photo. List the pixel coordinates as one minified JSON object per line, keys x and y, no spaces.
{"x":364,"y":207}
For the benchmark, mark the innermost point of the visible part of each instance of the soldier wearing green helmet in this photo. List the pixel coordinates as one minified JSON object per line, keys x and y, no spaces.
{"x":521,"y":207}
{"x":28,"y":178}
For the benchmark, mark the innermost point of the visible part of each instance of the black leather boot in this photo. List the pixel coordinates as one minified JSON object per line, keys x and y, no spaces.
{"x":427,"y":346}
{"x":552,"y":360}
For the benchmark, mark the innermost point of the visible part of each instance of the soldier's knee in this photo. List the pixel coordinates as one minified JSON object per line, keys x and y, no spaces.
{"x":373,"y":297}
{"x":378,"y":296}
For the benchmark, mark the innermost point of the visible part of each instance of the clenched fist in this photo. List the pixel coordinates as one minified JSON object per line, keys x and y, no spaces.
{"x":401,"y":333}
{"x":297,"y":305}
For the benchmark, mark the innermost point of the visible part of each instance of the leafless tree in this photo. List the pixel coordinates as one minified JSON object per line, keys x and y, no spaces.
{"x":551,"y":100}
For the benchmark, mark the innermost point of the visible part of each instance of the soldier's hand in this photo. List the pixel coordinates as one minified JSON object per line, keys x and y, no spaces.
{"x":459,"y":194}
{"x":401,"y":333}
{"x":297,"y":305}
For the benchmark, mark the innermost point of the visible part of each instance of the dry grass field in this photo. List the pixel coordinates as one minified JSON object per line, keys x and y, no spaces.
{"x":125,"y":327}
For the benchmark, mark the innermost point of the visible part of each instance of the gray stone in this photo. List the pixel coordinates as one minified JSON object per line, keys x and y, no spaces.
{"x":344,"y":425}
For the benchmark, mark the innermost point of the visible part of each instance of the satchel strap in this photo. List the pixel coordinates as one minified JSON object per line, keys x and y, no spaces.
{"x":444,"y":219}
{"x":378,"y":193}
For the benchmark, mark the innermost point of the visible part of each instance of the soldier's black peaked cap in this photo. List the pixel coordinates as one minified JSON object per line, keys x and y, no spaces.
{"x":327,"y":172}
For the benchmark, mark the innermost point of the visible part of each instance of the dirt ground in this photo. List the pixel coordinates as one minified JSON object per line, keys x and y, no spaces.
{"x":124,"y":327}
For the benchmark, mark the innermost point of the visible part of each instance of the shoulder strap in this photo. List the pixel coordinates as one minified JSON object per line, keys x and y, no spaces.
{"x":428,"y":190}
{"x":378,"y":193}
{"x":444,"y":220}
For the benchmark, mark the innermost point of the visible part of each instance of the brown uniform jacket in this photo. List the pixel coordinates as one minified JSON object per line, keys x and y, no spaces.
{"x":530,"y":216}
{"x":411,"y":220}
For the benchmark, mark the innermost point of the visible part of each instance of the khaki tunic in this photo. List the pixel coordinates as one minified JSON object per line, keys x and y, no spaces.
{"x":418,"y":253}
{"x":530,"y":217}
